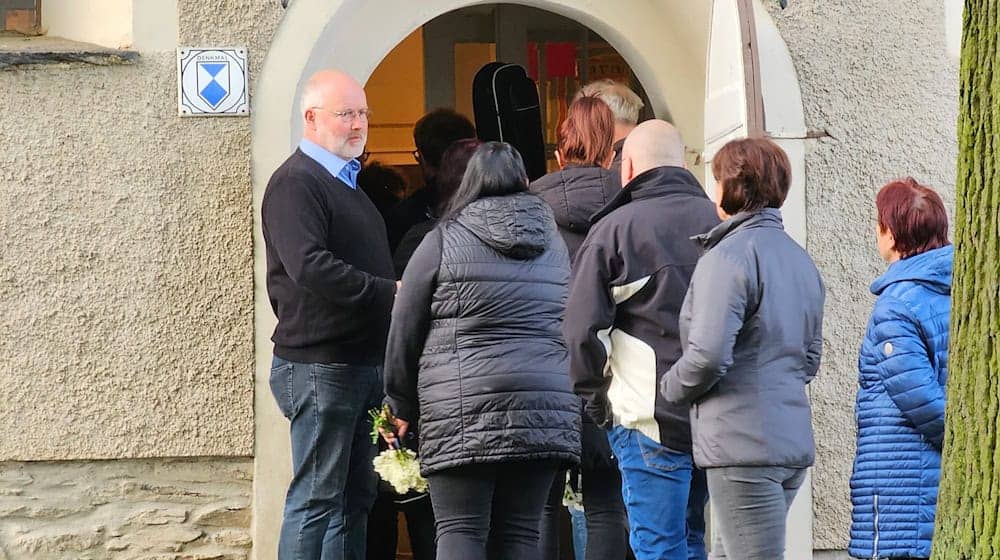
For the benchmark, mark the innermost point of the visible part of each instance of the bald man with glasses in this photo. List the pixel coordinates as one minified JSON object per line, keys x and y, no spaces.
{"x":331,"y":283}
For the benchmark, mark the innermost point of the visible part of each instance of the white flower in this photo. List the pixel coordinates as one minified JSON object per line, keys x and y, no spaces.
{"x":400,"y":468}
{"x":572,"y":499}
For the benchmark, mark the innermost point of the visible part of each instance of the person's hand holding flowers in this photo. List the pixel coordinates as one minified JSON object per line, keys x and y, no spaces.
{"x":397,"y":465}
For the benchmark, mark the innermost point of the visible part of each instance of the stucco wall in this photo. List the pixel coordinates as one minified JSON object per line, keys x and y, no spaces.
{"x":878,"y":77}
{"x":126,"y":273}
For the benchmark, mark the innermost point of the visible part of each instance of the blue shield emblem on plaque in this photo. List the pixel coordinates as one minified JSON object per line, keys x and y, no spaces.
{"x":213,"y":82}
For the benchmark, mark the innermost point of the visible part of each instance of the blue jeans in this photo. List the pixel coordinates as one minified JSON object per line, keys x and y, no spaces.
{"x":333,"y":484}
{"x":656,"y":484}
{"x":697,"y":500}
{"x":579,"y":524}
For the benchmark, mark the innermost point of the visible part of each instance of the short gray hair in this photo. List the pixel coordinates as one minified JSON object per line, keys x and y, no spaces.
{"x":625,"y":104}
{"x":312,"y":96}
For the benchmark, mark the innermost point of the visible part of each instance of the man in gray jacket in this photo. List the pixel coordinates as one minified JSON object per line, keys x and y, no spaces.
{"x":621,"y":329}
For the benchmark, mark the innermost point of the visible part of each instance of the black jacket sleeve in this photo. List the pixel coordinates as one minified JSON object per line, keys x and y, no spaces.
{"x":408,"y":245}
{"x":411,"y":319}
{"x":590,"y":315}
{"x":298,"y":228}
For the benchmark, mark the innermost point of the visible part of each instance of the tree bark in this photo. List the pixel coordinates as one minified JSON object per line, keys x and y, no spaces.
{"x":969,"y":500}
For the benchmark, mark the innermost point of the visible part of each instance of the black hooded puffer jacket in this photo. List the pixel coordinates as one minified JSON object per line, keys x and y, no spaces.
{"x":575,"y":193}
{"x":476,"y":351}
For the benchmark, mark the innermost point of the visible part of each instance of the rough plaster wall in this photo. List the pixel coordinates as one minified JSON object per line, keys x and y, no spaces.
{"x":230,"y":22}
{"x":126,"y":273}
{"x":166,"y":509}
{"x":877,"y":77}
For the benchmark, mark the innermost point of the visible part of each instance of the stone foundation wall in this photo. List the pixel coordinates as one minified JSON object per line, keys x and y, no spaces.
{"x":150,"y":509}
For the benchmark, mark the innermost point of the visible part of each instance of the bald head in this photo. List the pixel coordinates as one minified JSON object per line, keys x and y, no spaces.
{"x":654,"y":143}
{"x":335,"y":113}
{"x":325,"y":83}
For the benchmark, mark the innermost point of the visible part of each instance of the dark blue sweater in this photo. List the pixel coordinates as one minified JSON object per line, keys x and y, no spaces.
{"x":329,"y":271}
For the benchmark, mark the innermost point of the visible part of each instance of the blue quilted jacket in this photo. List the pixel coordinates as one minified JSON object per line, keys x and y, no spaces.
{"x":903,"y":368}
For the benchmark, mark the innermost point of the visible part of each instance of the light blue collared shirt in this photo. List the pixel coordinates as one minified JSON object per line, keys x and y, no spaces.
{"x":346,"y":171}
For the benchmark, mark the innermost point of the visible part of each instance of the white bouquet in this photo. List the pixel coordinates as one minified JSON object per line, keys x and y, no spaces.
{"x":399,"y":467}
{"x":572,"y":498}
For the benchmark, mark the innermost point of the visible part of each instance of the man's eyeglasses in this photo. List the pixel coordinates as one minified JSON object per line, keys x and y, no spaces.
{"x":349,"y":115}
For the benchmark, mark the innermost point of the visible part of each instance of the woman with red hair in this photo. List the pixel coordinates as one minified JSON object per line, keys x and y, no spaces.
{"x":903,"y":367}
{"x":582,"y":186}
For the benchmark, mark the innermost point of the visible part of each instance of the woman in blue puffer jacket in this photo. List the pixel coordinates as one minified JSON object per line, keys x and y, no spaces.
{"x":903,"y":368}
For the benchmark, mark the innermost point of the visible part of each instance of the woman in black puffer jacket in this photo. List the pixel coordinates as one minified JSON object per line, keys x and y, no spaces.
{"x":581,"y":187}
{"x":476,"y":356}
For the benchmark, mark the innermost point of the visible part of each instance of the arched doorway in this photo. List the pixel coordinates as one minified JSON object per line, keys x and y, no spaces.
{"x":434,"y":66}
{"x":665,"y":44}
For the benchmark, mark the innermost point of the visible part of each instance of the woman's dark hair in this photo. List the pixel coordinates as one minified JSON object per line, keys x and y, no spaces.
{"x":585,"y":137}
{"x":915,"y":216}
{"x":754,"y":174}
{"x":495,"y":169}
{"x":453,"y":163}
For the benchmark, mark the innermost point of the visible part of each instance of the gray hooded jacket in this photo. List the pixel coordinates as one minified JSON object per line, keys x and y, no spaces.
{"x":751,"y":332}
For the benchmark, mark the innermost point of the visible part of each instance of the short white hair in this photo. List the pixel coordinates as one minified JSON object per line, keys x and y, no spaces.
{"x":312,"y":96}
{"x":625,"y":104}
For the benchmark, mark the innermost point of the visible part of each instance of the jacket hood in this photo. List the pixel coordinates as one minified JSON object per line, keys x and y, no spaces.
{"x":519,"y":226}
{"x":575,"y":193}
{"x":655,"y":182}
{"x":767,"y":217}
{"x":931,"y":268}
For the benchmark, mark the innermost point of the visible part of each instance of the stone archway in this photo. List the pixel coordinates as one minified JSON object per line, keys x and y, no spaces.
{"x":665,"y":43}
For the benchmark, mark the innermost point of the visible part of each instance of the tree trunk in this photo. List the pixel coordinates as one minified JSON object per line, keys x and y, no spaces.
{"x":969,"y":501}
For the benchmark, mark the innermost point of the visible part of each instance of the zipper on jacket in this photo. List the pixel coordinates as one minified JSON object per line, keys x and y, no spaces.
{"x":875,"y":544}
